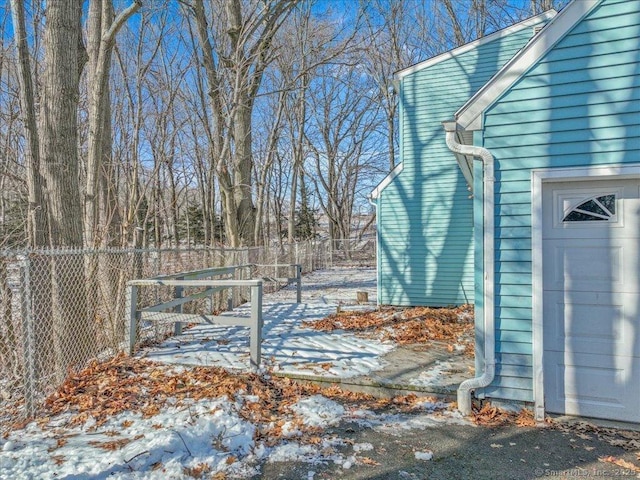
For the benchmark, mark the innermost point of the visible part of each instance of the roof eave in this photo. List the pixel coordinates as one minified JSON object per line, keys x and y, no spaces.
{"x":530,"y":22}
{"x":375,"y":194}
{"x":469,"y":116}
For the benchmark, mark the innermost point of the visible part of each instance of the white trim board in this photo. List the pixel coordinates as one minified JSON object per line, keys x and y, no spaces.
{"x":538,"y":178}
{"x":528,"y":23}
{"x":375,"y":193}
{"x":469,"y":116}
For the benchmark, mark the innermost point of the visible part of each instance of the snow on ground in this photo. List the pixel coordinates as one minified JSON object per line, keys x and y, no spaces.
{"x":199,"y":438}
{"x":288,"y":347}
{"x":437,"y":371}
{"x":187,"y":441}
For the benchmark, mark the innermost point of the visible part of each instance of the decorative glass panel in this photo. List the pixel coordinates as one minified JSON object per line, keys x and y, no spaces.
{"x":601,"y":208}
{"x":608,"y":202}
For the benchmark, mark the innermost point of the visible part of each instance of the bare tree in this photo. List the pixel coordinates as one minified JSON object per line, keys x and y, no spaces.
{"x":344,"y":125}
{"x":102,"y":27}
{"x":134,"y":65}
{"x":37,"y":221}
{"x":395,"y":40}
{"x":305,"y":45}
{"x":234,"y":62}
{"x":539,"y":6}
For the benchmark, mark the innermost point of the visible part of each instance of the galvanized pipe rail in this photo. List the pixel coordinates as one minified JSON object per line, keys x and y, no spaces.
{"x":158,"y":313}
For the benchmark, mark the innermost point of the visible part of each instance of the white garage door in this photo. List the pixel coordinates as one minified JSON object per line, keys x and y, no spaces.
{"x":591,"y":303}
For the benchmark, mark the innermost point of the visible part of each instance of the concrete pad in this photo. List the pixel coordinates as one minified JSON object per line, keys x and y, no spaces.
{"x":420,"y":369}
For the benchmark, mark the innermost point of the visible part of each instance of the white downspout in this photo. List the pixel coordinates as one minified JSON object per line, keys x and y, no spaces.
{"x":370,"y":198}
{"x":466,"y":387}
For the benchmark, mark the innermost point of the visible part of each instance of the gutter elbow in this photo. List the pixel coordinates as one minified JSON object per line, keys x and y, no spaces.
{"x":468,"y":386}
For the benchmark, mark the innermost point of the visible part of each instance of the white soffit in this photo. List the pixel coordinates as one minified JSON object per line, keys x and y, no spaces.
{"x":465,"y":162}
{"x":529,"y":23}
{"x":469,"y":116}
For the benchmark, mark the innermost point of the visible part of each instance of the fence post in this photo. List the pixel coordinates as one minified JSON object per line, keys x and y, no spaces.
{"x":256,"y":324}
{"x":298,"y":283}
{"x":29,"y":346}
{"x":331,"y":250}
{"x":178,"y":292}
{"x":131,"y":309}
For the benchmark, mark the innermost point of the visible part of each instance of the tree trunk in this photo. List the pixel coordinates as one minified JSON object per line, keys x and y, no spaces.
{"x":59,"y":126}
{"x":244,"y":50}
{"x":102,"y":30}
{"x":73,"y":333}
{"x":243,"y":163}
{"x":37,"y":222}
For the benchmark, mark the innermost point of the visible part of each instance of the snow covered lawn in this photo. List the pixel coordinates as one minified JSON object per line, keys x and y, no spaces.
{"x":131,"y":419}
{"x":309,"y":339}
{"x":190,"y":407}
{"x":287,"y":346}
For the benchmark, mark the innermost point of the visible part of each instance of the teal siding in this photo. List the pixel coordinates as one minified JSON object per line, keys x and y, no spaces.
{"x":578,"y":106}
{"x":425,"y":215}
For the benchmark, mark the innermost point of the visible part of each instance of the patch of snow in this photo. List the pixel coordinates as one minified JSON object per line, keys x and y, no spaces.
{"x":313,"y":454}
{"x":199,"y":433}
{"x":319,"y":411}
{"x":206,"y":432}
{"x":428,"y":455}
{"x":211,"y":434}
{"x":430,"y":406}
{"x":348,"y":463}
{"x":396,"y":424}
{"x":8,"y":446}
{"x":362,"y":447}
{"x":434,"y":375}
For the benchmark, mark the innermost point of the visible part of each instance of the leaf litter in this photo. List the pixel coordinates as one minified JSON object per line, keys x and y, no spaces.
{"x":406,"y":326}
{"x":129,"y":403}
{"x":141,"y":389}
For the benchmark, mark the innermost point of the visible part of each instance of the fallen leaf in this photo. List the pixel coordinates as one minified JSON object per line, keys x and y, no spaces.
{"x":408,"y":326}
{"x":525,"y":418}
{"x":197,"y":471}
{"x":620,"y":462}
{"x":113,"y":445}
{"x":60,"y":442}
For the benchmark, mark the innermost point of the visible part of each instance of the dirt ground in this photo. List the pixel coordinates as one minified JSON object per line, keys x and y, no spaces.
{"x":475,"y":452}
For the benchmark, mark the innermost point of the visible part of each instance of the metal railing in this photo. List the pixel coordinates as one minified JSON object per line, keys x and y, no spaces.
{"x":210,"y":281}
{"x":157,"y":315}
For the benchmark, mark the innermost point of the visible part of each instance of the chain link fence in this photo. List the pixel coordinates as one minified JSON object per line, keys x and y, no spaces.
{"x":60,"y":308}
{"x":359,"y":251}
